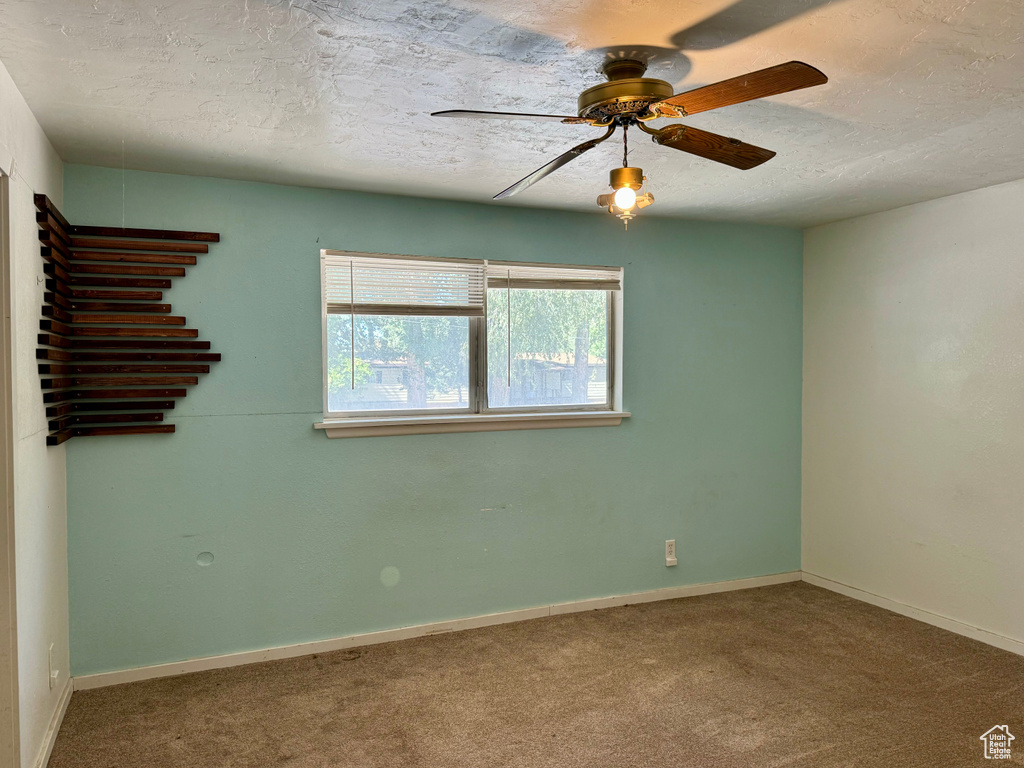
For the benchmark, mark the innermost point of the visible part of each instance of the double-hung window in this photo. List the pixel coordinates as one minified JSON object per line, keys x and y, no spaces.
{"x":414,"y":344}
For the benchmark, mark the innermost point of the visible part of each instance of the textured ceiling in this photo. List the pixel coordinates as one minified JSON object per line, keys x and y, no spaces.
{"x":926,"y":97}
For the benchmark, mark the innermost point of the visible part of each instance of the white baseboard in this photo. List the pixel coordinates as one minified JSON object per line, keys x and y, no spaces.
{"x":952,"y":625}
{"x":50,"y":737}
{"x":117,"y":677}
{"x":672,"y":593}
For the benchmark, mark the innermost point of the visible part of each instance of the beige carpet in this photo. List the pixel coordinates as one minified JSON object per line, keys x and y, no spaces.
{"x":790,"y":675}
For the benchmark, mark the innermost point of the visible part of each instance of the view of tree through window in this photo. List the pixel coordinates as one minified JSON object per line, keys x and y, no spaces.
{"x":559,"y":352}
{"x":412,"y":334}
{"x":401,"y":363}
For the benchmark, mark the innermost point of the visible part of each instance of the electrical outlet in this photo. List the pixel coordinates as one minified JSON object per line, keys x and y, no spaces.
{"x":670,"y":553}
{"x":54,"y":673}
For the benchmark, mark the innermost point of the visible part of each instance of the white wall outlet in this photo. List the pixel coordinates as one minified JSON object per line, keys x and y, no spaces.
{"x":670,"y":553}
{"x":54,"y":673}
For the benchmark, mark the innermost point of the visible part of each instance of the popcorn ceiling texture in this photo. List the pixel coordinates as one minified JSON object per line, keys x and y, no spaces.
{"x":337,"y":94}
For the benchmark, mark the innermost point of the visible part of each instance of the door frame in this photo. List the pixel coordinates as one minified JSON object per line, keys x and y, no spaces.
{"x":10,"y":748}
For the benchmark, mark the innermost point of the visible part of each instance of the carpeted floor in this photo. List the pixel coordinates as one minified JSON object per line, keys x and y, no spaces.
{"x":790,"y":675}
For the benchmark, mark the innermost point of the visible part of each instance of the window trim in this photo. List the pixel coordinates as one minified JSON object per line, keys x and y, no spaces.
{"x":474,"y":422}
{"x":479,"y":415}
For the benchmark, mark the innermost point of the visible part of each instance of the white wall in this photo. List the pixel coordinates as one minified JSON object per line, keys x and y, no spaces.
{"x":913,"y":406}
{"x":39,"y":498}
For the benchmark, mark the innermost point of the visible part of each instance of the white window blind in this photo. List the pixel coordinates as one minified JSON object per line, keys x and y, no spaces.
{"x":509,"y":274}
{"x":378,"y":284}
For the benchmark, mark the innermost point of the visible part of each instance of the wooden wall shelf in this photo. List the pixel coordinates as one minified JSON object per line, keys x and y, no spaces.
{"x":112,"y":353}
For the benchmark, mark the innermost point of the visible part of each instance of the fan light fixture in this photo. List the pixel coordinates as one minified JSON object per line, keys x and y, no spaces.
{"x":627,"y":183}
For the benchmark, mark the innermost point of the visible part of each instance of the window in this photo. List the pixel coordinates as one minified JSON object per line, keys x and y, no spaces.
{"x":462,"y":342}
{"x":548,"y":336}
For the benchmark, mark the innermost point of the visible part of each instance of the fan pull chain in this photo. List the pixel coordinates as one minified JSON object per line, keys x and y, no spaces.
{"x":625,"y":145}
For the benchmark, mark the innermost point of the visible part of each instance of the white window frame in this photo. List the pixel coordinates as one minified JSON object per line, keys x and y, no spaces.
{"x":478,"y":416}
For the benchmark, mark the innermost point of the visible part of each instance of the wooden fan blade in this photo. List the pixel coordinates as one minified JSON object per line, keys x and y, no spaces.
{"x":711,"y":146}
{"x":553,"y":166}
{"x":772,"y":81}
{"x":477,"y":115}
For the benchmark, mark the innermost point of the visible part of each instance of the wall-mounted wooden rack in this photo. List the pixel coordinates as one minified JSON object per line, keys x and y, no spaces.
{"x":112,"y":356}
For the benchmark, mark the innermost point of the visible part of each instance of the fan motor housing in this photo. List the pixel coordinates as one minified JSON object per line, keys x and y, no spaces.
{"x":627,"y":92}
{"x":620,"y":97}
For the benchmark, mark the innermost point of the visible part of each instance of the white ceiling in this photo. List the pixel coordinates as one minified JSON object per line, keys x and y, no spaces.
{"x":926,"y":97}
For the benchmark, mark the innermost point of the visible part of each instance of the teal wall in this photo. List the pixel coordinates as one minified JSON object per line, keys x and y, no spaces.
{"x":302,"y":526}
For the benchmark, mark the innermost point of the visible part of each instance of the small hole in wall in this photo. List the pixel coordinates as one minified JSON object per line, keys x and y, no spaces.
{"x":204,"y":558}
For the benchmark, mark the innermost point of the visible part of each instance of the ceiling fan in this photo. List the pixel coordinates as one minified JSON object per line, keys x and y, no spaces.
{"x":630,"y":99}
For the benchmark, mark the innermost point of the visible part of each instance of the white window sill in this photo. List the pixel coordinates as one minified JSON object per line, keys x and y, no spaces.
{"x":475,"y":422}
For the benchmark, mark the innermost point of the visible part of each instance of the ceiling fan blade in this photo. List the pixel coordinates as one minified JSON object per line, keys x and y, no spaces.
{"x":782,"y":78}
{"x":711,"y":146}
{"x":554,"y":165}
{"x":475,"y":114}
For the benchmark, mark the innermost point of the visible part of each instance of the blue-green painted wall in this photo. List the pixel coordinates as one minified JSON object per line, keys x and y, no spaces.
{"x":301,"y":526}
